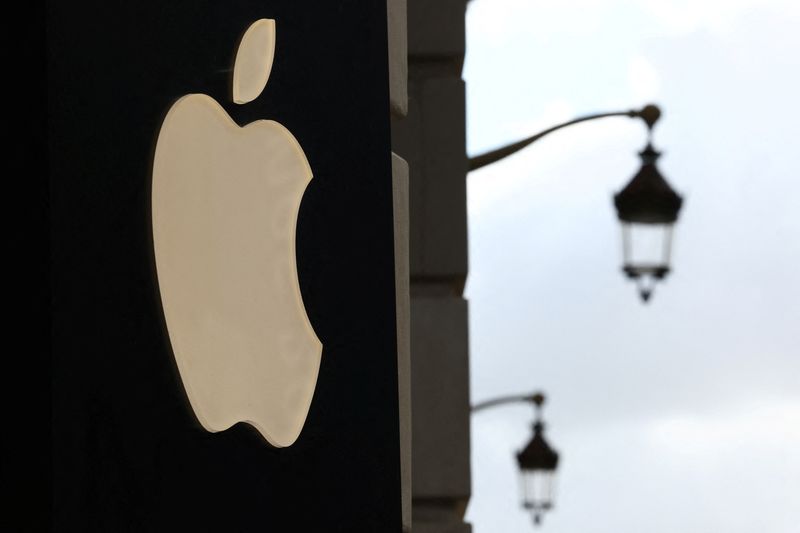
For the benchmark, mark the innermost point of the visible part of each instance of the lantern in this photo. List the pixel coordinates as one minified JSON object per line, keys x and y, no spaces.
{"x":537,"y":464}
{"x":647,"y":208}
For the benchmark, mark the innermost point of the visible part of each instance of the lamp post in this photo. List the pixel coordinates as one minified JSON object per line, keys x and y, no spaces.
{"x":647,"y":207}
{"x":537,"y":461}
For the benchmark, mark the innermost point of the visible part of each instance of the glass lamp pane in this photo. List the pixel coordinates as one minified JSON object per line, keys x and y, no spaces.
{"x":537,"y":489}
{"x":646,"y":247}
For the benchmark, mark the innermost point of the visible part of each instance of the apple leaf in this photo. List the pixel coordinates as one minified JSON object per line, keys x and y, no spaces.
{"x":253,"y":61}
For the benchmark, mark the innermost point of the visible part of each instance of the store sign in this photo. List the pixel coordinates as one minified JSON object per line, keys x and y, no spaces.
{"x":223,"y":323}
{"x":225,"y":206}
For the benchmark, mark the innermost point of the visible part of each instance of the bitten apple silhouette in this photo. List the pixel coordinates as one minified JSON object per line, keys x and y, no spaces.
{"x":225,"y":202}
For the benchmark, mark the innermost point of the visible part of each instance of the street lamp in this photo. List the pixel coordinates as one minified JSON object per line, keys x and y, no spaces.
{"x":537,"y":461}
{"x":647,"y":207}
{"x":537,"y":466}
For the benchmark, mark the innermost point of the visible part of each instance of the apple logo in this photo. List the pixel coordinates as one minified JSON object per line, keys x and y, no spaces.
{"x":225,"y":203}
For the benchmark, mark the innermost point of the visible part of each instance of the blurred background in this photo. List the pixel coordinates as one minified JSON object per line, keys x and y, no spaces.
{"x":682,"y":414}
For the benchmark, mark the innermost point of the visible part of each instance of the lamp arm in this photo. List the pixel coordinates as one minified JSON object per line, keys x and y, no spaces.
{"x":649,"y":114}
{"x":503,"y":400}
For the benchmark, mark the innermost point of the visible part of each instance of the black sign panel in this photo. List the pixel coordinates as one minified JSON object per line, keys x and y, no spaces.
{"x":128,"y":451}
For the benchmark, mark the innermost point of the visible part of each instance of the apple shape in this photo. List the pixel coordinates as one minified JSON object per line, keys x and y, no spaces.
{"x":225,"y":202}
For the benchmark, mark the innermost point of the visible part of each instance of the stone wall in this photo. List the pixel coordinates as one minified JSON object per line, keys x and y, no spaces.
{"x":432,"y":138}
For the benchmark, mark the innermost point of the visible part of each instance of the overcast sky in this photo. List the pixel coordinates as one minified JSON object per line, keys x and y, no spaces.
{"x":683,"y":415}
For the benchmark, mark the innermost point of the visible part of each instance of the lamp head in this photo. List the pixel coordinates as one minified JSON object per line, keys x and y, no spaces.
{"x":647,"y":207}
{"x":648,"y":198}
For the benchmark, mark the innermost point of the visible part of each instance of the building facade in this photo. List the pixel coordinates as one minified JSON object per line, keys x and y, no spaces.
{"x":431,"y":137}
{"x":381,"y":262}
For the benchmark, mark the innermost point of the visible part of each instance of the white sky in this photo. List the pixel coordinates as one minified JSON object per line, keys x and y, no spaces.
{"x":683,"y":415}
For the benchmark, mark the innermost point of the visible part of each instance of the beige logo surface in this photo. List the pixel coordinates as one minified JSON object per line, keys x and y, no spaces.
{"x":225,"y":202}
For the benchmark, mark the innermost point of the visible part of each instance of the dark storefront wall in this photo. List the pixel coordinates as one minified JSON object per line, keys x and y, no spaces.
{"x":128,"y":453}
